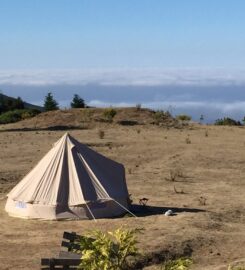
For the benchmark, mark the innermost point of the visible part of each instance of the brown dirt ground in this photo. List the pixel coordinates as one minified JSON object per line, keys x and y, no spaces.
{"x":210,"y":166}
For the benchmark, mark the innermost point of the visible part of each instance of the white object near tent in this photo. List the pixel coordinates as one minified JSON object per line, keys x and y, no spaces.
{"x":70,"y":182}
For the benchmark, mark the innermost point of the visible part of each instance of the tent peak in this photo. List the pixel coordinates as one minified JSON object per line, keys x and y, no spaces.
{"x":67,"y":135}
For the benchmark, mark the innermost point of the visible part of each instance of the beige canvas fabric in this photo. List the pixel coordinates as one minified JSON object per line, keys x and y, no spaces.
{"x":71,"y":181}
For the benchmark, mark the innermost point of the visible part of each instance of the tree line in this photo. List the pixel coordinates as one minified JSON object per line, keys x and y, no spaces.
{"x":50,"y":104}
{"x":10,"y":104}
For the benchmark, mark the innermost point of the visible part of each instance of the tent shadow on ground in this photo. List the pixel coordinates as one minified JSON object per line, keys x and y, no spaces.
{"x":148,"y":210}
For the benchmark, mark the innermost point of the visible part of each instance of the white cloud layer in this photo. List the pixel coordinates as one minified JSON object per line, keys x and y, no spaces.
{"x":124,"y":77}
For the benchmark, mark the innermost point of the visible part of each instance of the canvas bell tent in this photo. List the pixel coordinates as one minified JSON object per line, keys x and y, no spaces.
{"x":70,"y":182}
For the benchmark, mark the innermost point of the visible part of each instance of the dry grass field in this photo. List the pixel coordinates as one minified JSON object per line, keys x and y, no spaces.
{"x":198,"y":171}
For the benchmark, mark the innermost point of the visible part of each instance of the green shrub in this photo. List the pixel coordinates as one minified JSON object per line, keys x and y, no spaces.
{"x":183,"y":117}
{"x":179,"y":264}
{"x":17,"y":115}
{"x":109,"y":114}
{"x":160,"y":116}
{"x":226,"y":121}
{"x":107,"y":251}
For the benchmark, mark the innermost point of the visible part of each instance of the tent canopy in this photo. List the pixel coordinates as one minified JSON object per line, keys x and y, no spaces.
{"x":70,"y":175}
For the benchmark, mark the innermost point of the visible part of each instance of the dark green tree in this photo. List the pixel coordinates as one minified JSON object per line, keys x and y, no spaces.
{"x":50,"y":104}
{"x":19,"y":104}
{"x":77,"y":102}
{"x":226,"y":121}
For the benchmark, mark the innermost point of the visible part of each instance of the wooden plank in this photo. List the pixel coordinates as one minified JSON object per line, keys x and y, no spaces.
{"x":60,"y":261}
{"x":71,"y":236}
{"x":70,"y":246}
{"x":71,"y":255}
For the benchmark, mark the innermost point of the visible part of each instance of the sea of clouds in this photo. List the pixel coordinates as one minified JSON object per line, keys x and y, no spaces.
{"x":124,"y":77}
{"x":214,"y":93}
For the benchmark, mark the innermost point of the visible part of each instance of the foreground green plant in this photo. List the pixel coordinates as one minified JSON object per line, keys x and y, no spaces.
{"x":179,"y":264}
{"x":107,"y":251}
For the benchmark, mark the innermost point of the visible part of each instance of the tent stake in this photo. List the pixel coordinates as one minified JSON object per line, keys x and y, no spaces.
{"x":91,"y":213}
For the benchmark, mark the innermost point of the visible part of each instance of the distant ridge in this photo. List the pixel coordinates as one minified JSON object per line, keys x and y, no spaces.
{"x":26,"y":104}
{"x":86,"y":118}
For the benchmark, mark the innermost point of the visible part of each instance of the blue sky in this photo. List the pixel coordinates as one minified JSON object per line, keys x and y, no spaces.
{"x":76,"y":34}
{"x":187,"y":55}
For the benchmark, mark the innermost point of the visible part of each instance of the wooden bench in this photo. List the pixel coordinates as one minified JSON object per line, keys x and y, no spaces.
{"x":69,"y":240}
{"x":59,"y":263}
{"x":67,"y":259}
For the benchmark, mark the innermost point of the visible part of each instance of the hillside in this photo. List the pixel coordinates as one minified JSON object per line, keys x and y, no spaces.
{"x":91,"y":117}
{"x":4,"y":98}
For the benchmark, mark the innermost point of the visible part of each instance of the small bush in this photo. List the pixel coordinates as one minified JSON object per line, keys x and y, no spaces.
{"x":226,"y":121}
{"x":202,"y":200}
{"x":108,"y":251}
{"x":188,"y":140}
{"x":161,"y":116}
{"x":101,"y":134}
{"x":183,"y":117}
{"x":109,"y":114}
{"x":17,"y":115}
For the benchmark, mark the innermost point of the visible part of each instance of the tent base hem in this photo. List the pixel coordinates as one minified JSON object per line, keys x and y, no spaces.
{"x":105,"y":209}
